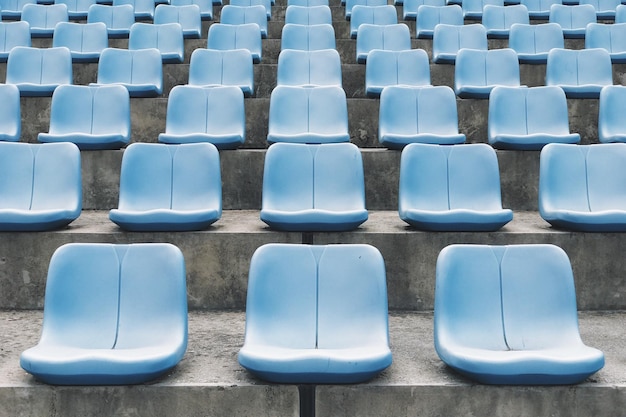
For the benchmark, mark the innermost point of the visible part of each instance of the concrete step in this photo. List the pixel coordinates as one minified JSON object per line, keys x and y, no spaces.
{"x":210,"y":382}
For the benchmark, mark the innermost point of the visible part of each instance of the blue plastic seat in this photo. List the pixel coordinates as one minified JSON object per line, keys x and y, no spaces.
{"x":349,"y":4}
{"x":528,"y":118}
{"x":611,"y":121}
{"x":85,"y":41}
{"x":385,"y":68}
{"x":388,"y":37}
{"x":140,"y":71}
{"x":373,"y":15}
{"x":477,"y":72}
{"x":90,"y":117}
{"x":40,"y":186}
{"x":611,"y":37}
{"x":76,"y":9}
{"x":328,"y":326}
{"x":620,"y":14}
{"x":224,"y":37}
{"x":533,"y":42}
{"x":430,"y":16}
{"x":187,"y":16}
{"x":307,"y":37}
{"x":539,"y":9}
{"x":313,"y":68}
{"x":196,"y":114}
{"x":473,"y":9}
{"x":13,"y":34}
{"x":169,"y":187}
{"x":451,"y":188}
{"x":12,"y":9}
{"x":410,"y":7}
{"x":10,"y":113}
{"x":581,"y":188}
{"x":507,"y":315}
{"x":580,"y":73}
{"x":449,"y":39}
{"x":267,"y":4}
{"x":314,"y":15}
{"x":573,"y":19}
{"x":499,"y":19}
{"x":43,"y":18}
{"x":308,"y":115}
{"x":118,"y":19}
{"x":418,"y":115}
{"x":239,"y":15}
{"x":210,"y":67}
{"x":144,"y":9}
{"x":605,"y":9}
{"x":206,"y":6}
{"x":113,"y":314}
{"x":38,"y":71}
{"x":167,"y":38}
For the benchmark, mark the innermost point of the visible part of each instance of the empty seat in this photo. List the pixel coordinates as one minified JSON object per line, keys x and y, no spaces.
{"x":329,"y":326}
{"x":477,"y":72}
{"x":418,"y":115}
{"x":499,"y":19}
{"x":140,"y":71}
{"x":528,"y":118}
{"x":539,"y":9}
{"x":580,"y":73}
{"x":449,"y":39}
{"x":313,"y":188}
{"x":307,"y":37}
{"x":611,"y":121}
{"x":388,"y":37}
{"x":12,"y":9}
{"x":206,"y":6}
{"x":314,"y":15}
{"x":187,"y":16}
{"x":351,"y":3}
{"x":507,"y":315}
{"x":38,"y":71}
{"x":239,"y":15}
{"x":43,"y":18}
{"x":167,"y":38}
{"x":267,"y":4}
{"x":314,"y":68}
{"x":85,"y":41}
{"x":169,"y":188}
{"x":90,"y":117}
{"x":144,"y":9}
{"x":308,"y":115}
{"x":10,"y":113}
{"x":410,"y":7}
{"x":224,"y":37}
{"x":609,"y":37}
{"x":430,"y":16}
{"x":118,"y":19}
{"x":40,"y":186}
{"x":533,"y":42}
{"x":573,"y":19}
{"x":473,"y":9}
{"x":210,"y":67}
{"x":196,"y":114}
{"x":385,"y":68}
{"x":605,"y":9}
{"x":13,"y":34}
{"x":451,"y":188}
{"x":373,"y":15}
{"x":114,"y":314}
{"x":77,"y":9}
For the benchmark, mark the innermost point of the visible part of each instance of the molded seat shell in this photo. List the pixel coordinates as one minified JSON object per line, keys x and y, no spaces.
{"x":144,"y":9}
{"x":611,"y":121}
{"x":234,"y":67}
{"x":313,"y":15}
{"x":388,"y":37}
{"x":477,"y":72}
{"x":118,"y":19}
{"x":430,"y":16}
{"x":580,"y":73}
{"x":169,"y":188}
{"x":386,"y":68}
{"x":473,"y":9}
{"x":43,"y":18}
{"x":206,"y":6}
{"x":309,"y":68}
{"x":188,"y":17}
{"x":448,"y":40}
{"x":539,"y":9}
{"x":140,"y":71}
{"x":328,"y":326}
{"x":307,"y":37}
{"x":76,"y":9}
{"x":10,"y":113}
{"x":40,"y":186}
{"x":373,"y":15}
{"x":349,"y":4}
{"x":239,"y":15}
{"x":533,"y":42}
{"x":410,"y":7}
{"x":499,"y":19}
{"x":167,"y":38}
{"x":605,"y":9}
{"x":12,"y":9}
{"x":85,"y":41}
{"x":507,"y":315}
{"x":573,"y":19}
{"x":609,"y":37}
{"x":13,"y":34}
{"x":248,"y":36}
{"x":114,"y":314}
{"x":39,"y":71}
{"x":451,"y":188}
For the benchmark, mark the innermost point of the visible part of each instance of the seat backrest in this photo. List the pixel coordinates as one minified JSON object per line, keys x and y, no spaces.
{"x":214,"y":67}
{"x":476,"y":6}
{"x":224,"y":37}
{"x":388,"y":37}
{"x":502,"y":17}
{"x":206,"y":6}
{"x":532,"y":39}
{"x":450,"y":38}
{"x":39,"y":66}
{"x":579,"y":67}
{"x":487,"y":67}
{"x":166,"y":37}
{"x":187,"y":16}
{"x":609,"y":37}
{"x":611,"y":119}
{"x":14,"y":7}
{"x":410,"y":67}
{"x":536,"y":6}
{"x":572,"y":17}
{"x":81,"y":37}
{"x":248,"y":3}
{"x":10,"y":113}
{"x":296,"y":67}
{"x":114,"y":17}
{"x":315,"y":15}
{"x":373,"y":15}
{"x":620,"y":14}
{"x":141,"y":66}
{"x":44,"y":16}
{"x":410,"y":7}
{"x":77,"y":7}
{"x":430,"y":16}
{"x":351,"y":3}
{"x":602,"y":5}
{"x":140,"y":7}
{"x":307,"y":37}
{"x":13,"y":34}
{"x":238,"y":15}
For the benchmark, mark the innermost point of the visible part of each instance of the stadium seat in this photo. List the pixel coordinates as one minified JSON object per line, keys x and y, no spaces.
{"x":349,"y":5}
{"x":573,"y":19}
{"x":113,"y":314}
{"x":499,"y":19}
{"x":385,"y":68}
{"x":611,"y":121}
{"x":539,"y":9}
{"x":307,"y":37}
{"x":187,"y":16}
{"x":389,"y":38}
{"x":239,"y":15}
{"x":12,"y":9}
{"x":418,"y":115}
{"x":40,"y":186}
{"x":10,"y":113}
{"x":196,"y":114}
{"x":410,"y":7}
{"x":140,"y":71}
{"x":373,"y":15}
{"x":13,"y":34}
{"x":449,"y":39}
{"x":329,"y":326}
{"x":76,"y":9}
{"x":533,"y":42}
{"x":90,"y":117}
{"x":267,"y":4}
{"x":144,"y":9}
{"x":580,"y":73}
{"x":169,"y":187}
{"x":308,"y":115}
{"x":477,"y":72}
{"x":314,"y":15}
{"x":528,"y":118}
{"x":38,"y":71}
{"x":507,"y":315}
{"x":430,"y":16}
{"x":451,"y":188}
{"x":206,"y":6}
{"x":611,"y":37}
{"x":605,"y":9}
{"x":581,"y":188}
{"x":473,"y":9}
{"x":312,"y":68}
{"x":118,"y":19}
{"x":210,"y":67}
{"x":85,"y":41}
{"x":43,"y":18}
{"x":224,"y":37}
{"x":167,"y":38}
